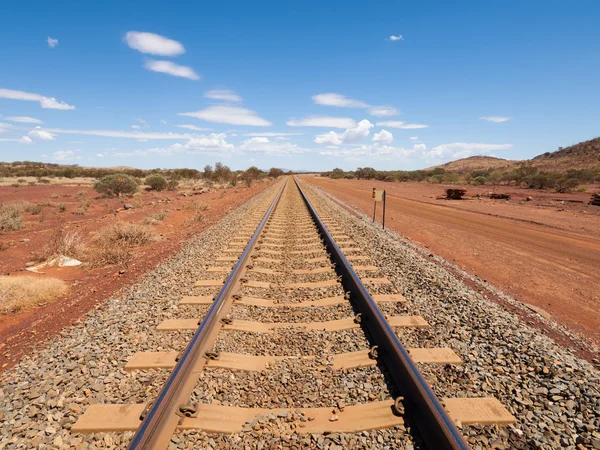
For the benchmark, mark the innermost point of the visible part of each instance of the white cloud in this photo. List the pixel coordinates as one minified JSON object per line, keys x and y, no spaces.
{"x":52,"y":42}
{"x":414,"y":138}
{"x":213,"y":143}
{"x":322,"y":121}
{"x":164,"y":122}
{"x":272,"y":134}
{"x":370,"y":151}
{"x":351,"y":135}
{"x":333,"y":99}
{"x":223,"y":94}
{"x":265,"y":146}
{"x":341,"y":101}
{"x":402,"y":125}
{"x":383,"y":111}
{"x":153,"y":44}
{"x":42,"y":135}
{"x":462,"y":150}
{"x":45,"y":102}
{"x":383,"y":137}
{"x":193,"y":127}
{"x":4,"y":127}
{"x":397,"y":37}
{"x":122,"y":134}
{"x":22,"y":140}
{"x":171,"y":68}
{"x":497,"y":119}
{"x":135,"y":127}
{"x":234,"y":115}
{"x":22,"y":119}
{"x":64,"y":155}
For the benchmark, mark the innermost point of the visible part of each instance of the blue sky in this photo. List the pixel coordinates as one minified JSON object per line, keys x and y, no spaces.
{"x":303,"y":85}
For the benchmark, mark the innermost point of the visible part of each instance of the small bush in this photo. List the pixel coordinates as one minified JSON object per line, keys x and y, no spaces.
{"x":43,"y":181}
{"x":62,"y":207}
{"x":63,"y":243}
{"x":21,"y":181}
{"x":478,"y":181}
{"x":114,"y":243}
{"x":153,"y":219}
{"x":172,"y":185}
{"x":81,"y":195}
{"x":11,"y":217}
{"x":35,"y":210}
{"x":22,"y":292}
{"x":156,"y":182}
{"x":116,"y":185}
{"x":55,"y":195}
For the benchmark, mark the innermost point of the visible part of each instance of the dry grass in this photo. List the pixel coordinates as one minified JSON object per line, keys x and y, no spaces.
{"x":113,"y":245}
{"x":11,"y":216}
{"x":19,"y":293}
{"x":63,"y":242}
{"x":155,"y":219}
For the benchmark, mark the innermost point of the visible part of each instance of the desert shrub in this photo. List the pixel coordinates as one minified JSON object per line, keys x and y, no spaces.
{"x":274,"y":172}
{"x":564,"y":184}
{"x":11,"y":217}
{"x":251,"y":174}
{"x":22,"y":292}
{"x":156,"y":182}
{"x":81,"y":195}
{"x":63,"y":243}
{"x":31,"y":183}
{"x":21,"y":181}
{"x":62,"y":207}
{"x":153,"y":219}
{"x":54,"y":195}
{"x":113,"y":244}
{"x":35,"y":209}
{"x":172,"y":185}
{"x":116,"y":185}
{"x":43,"y":181}
{"x":336,"y":174}
{"x":478,"y":181}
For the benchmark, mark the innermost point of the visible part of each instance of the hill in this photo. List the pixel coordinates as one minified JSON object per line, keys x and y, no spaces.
{"x":476,"y":163}
{"x":585,"y":155}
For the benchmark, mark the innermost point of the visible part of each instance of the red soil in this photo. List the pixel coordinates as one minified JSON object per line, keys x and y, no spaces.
{"x":545,"y":252}
{"x":91,"y":287}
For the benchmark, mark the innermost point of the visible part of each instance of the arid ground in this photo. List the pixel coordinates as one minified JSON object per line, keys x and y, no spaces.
{"x":79,"y":208}
{"x":544,"y":252}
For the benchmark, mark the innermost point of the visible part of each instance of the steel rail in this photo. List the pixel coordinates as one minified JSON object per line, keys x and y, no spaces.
{"x":435,"y":426}
{"x":161,"y":421}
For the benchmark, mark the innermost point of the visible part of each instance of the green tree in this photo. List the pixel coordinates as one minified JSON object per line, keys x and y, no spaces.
{"x":156,"y":182}
{"x":116,"y":185}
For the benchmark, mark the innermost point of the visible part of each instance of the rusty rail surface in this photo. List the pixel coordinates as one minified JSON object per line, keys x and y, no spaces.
{"x":161,"y":420}
{"x":435,"y":426}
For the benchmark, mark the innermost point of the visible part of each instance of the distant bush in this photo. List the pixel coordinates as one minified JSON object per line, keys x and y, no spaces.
{"x":156,"y":182}
{"x":172,"y":185}
{"x":116,"y":185}
{"x":43,"y":181}
{"x":274,"y":172}
{"x":336,"y":174}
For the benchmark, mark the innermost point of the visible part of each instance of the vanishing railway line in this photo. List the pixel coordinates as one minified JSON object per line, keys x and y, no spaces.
{"x":300,"y":297}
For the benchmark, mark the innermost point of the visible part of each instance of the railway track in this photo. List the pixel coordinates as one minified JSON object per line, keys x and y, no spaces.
{"x":293,"y":343}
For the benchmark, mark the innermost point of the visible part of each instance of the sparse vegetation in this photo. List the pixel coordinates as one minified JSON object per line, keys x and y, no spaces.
{"x":63,"y":243}
{"x":22,"y":292}
{"x":156,"y":182}
{"x":116,"y":185}
{"x":113,"y":245}
{"x":155,"y":218}
{"x":11,"y":216}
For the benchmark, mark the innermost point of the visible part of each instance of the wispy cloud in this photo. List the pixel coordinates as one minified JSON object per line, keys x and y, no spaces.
{"x":64,"y":155}
{"x":153,"y":44}
{"x":496,"y":119}
{"x":322,"y":121}
{"x":397,"y":37}
{"x":22,"y":140}
{"x":351,"y":135}
{"x":22,"y":119}
{"x":45,"y":102}
{"x":193,"y":127}
{"x":341,"y":101}
{"x":370,"y":152}
{"x":214,"y":143}
{"x":171,"y":68}
{"x":414,"y":138}
{"x":401,"y":125}
{"x":271,"y":134}
{"x":263,"y":145}
{"x":223,"y":94}
{"x":52,"y":42}
{"x":233,"y":115}
{"x":122,"y":134}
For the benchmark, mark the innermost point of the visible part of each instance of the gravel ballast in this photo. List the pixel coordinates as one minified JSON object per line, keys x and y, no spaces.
{"x":554,"y":395}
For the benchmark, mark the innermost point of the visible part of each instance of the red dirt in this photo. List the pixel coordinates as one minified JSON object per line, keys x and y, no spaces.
{"x":91,"y":287}
{"x":544,"y":253}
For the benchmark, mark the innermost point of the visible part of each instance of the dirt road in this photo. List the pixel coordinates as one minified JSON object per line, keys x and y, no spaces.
{"x":541,"y":264}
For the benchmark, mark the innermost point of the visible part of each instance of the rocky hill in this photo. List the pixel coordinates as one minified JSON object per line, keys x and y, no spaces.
{"x":585,"y":155}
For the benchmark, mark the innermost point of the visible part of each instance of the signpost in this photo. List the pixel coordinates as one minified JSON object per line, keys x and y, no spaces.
{"x":379,"y":196}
